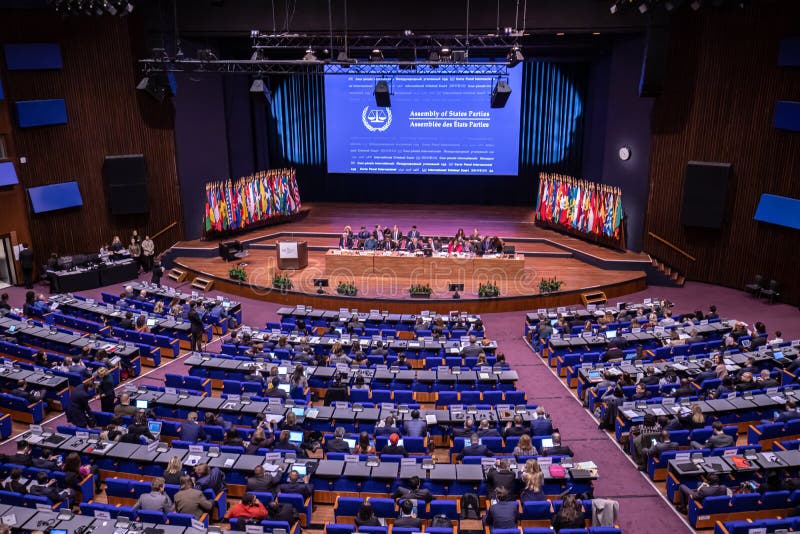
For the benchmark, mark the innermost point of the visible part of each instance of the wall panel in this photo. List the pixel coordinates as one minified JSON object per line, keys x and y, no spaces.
{"x":106,"y":116}
{"x":717,"y":105}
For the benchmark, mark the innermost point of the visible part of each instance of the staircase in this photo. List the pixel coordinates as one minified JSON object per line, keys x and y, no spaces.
{"x":660,"y":274}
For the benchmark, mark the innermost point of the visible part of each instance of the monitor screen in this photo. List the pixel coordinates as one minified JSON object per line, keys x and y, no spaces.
{"x":154,"y":427}
{"x":553,"y":322}
{"x":547,"y":443}
{"x":611,"y":334}
{"x":296,"y":436}
{"x":436,"y":124}
{"x":141,"y":404}
{"x":301,"y":469}
{"x":350,"y":443}
{"x":284,"y":387}
{"x":778,"y":355}
{"x":8,"y":176}
{"x":298,"y":411}
{"x":400,"y":442}
{"x":55,"y":197}
{"x":151,"y":322}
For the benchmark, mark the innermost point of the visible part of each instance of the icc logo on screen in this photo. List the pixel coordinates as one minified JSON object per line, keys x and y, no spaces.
{"x":376,"y":119}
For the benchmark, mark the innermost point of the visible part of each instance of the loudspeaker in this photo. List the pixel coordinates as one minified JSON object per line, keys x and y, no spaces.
{"x":500,"y":94}
{"x":705,"y":191}
{"x":381,"y":93}
{"x":654,"y":63}
{"x":127,"y":169}
{"x":128,"y":199}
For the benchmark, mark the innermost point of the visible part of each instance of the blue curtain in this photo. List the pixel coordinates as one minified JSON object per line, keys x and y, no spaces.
{"x":298,"y":121}
{"x":552,"y":122}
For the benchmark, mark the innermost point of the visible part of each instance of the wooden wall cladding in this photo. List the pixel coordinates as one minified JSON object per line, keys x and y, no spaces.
{"x":106,"y":116}
{"x":718,"y":101}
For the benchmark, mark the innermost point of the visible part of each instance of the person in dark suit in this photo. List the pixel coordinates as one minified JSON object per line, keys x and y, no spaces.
{"x":557,"y":449}
{"x":4,"y":305}
{"x":748,"y":367}
{"x":501,"y":477}
{"x":517,"y":428}
{"x":467,"y":430}
{"x":157,"y":273}
{"x":388,"y":428}
{"x":504,"y":513}
{"x":295,"y":484}
{"x":406,"y":517}
{"x":789,"y":413}
{"x":413,"y":491}
{"x":416,"y":427}
{"x":345,"y":241}
{"x":23,"y":454}
{"x":277,"y":511}
{"x":261,"y":481}
{"x":710,"y":488}
{"x":393,"y":448}
{"x":486,"y":430}
{"x":571,"y":515}
{"x":22,"y":391}
{"x":712,"y":313}
{"x":126,"y":323}
{"x":413,"y":233}
{"x":765,"y":380}
{"x":473,"y":349}
{"x":275,"y":391}
{"x":746,"y":383}
{"x":613,"y":353}
{"x":718,"y":439}
{"x":663,"y":443}
{"x":475,"y":448}
{"x":191,"y":430}
{"x":283,"y":444}
{"x":396,"y":236}
{"x":14,"y":484}
{"x":337,"y":444}
{"x":684,"y":390}
{"x":209,"y":478}
{"x":26,"y":264}
{"x":708,"y":373}
{"x":78,"y":409}
{"x":541,"y":426}
{"x":641,"y":393}
{"x":196,"y":327}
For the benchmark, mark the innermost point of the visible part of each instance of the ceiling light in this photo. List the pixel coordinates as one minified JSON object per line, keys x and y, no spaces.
{"x":376,"y":55}
{"x":310,"y":56}
{"x":643,"y":7}
{"x":696,"y":4}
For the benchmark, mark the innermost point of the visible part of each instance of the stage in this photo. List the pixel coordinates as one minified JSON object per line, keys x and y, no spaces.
{"x":541,"y":253}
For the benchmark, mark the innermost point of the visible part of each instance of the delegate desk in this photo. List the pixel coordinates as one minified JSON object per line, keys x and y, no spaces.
{"x":22,"y":519}
{"x":406,"y":265}
{"x":461,"y":319}
{"x":106,"y":313}
{"x":67,"y":343}
{"x":688,"y":467}
{"x":166,"y":294}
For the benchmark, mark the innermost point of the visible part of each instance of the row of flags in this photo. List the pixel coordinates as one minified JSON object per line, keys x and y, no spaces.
{"x":579,"y":204}
{"x":237,"y":204}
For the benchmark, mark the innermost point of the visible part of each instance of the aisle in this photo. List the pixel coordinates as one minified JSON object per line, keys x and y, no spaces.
{"x":640,"y":503}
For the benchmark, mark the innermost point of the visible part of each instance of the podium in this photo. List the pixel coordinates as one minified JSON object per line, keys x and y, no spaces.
{"x":292,"y":255}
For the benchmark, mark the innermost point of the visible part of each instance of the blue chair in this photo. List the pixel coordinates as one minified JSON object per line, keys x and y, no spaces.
{"x":152,"y":516}
{"x":339,"y":529}
{"x":383,"y":507}
{"x":447,"y":508}
{"x":346,"y":508}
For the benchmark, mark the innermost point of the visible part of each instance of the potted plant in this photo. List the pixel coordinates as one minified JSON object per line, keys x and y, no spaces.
{"x":550,"y":285}
{"x":488,"y":290}
{"x":420,"y":291}
{"x":237,"y":273}
{"x":282,"y":282}
{"x":347,"y":289}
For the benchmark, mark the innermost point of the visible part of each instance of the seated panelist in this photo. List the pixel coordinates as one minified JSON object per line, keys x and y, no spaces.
{"x":413,"y":245}
{"x":371,"y":243}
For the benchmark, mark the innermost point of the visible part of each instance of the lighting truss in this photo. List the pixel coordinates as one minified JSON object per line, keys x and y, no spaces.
{"x":377,"y":69}
{"x":367,"y":43}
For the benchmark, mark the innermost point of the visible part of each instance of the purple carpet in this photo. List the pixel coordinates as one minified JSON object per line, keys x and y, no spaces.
{"x":640,"y":502}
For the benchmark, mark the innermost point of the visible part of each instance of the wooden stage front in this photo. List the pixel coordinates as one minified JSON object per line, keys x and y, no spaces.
{"x":383,"y":282}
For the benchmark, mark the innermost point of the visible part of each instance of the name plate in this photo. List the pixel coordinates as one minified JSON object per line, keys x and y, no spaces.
{"x":198,"y":449}
{"x":102,"y":514}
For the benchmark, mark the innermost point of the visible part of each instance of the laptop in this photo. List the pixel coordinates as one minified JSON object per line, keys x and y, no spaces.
{"x":213,"y":452}
{"x":155,"y":428}
{"x":302,"y":469}
{"x":141,"y":404}
{"x":285,"y":387}
{"x":611,"y":334}
{"x":351,"y":442}
{"x":547,"y":443}
{"x":296,"y":437}
{"x":151,"y":322}
{"x":298,"y":411}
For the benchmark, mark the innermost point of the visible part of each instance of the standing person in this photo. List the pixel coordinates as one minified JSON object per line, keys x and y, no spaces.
{"x":136,"y":237}
{"x":106,"y":390}
{"x":136,"y":252}
{"x":26,"y":263}
{"x":197,"y":327}
{"x":158,"y":271}
{"x":148,"y":249}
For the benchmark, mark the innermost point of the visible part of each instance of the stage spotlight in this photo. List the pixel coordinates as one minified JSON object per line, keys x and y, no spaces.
{"x":643,"y":8}
{"x":500,"y":94}
{"x":382,"y":95}
{"x":515,"y":56}
{"x":376,"y":55}
{"x":310,"y":55}
{"x":614,"y":8}
{"x":508,"y":30}
{"x":152,"y":86}
{"x":696,"y":4}
{"x":206,"y":54}
{"x":408,"y":33}
{"x":446,"y":55}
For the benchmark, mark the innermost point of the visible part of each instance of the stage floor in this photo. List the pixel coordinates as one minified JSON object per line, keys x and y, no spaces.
{"x":581,"y":265}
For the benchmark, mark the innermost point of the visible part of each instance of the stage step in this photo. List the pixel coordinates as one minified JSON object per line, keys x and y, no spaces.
{"x":203,"y":284}
{"x":176,"y":275}
{"x":663,"y":274}
{"x":595,"y":297}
